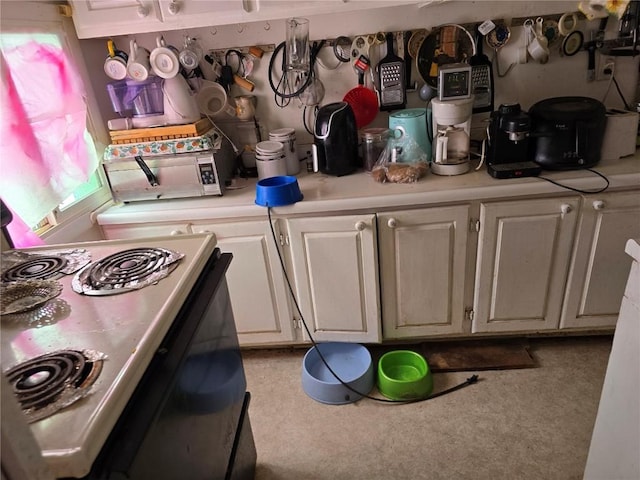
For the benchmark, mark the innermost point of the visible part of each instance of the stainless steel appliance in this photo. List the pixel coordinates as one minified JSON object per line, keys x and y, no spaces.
{"x":157,"y":380}
{"x":335,"y":140}
{"x":567,"y":132}
{"x":180,"y":175}
{"x":508,"y":143}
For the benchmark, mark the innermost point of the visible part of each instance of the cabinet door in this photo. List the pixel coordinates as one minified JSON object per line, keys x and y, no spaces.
{"x":113,"y":232}
{"x":523,"y":256}
{"x":257,"y":287}
{"x":600,"y":267}
{"x":335,"y":268}
{"x":422,"y":271}
{"x":101,"y":18}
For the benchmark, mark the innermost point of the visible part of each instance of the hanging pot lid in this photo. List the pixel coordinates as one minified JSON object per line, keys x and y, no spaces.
{"x":450,"y":43}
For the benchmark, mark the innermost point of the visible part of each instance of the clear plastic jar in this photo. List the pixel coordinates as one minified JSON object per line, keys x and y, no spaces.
{"x":374,"y":140}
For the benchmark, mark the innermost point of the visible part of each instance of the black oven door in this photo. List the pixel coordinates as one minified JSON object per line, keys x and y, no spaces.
{"x":182,"y":421}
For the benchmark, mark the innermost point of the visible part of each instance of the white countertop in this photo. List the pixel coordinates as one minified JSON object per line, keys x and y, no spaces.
{"x":359,"y":192}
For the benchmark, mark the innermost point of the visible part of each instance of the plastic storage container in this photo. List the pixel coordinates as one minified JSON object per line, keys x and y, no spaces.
{"x":374,"y":140}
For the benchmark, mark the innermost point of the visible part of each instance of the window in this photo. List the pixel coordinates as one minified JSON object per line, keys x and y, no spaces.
{"x":28,"y":24}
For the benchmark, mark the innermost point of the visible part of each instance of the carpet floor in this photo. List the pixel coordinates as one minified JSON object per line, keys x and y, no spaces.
{"x":532,"y":423}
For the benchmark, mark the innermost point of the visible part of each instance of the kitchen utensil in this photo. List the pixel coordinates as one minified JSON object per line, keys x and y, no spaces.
{"x":342,"y":48}
{"x":363,"y":101}
{"x":349,"y":361}
{"x":374,"y":141}
{"x":138,"y":66}
{"x":164,"y":59}
{"x":416,"y":39}
{"x":27,"y":294}
{"x":245,"y":107}
{"x":191,"y":53}
{"x":448,"y":43}
{"x":278,"y":191}
{"x":404,"y":375}
{"x":297,"y":52}
{"x":496,"y":39}
{"x":572,"y":43}
{"x":212,"y":100}
{"x":391,"y":74}
{"x":481,"y":78}
{"x":537,"y":42}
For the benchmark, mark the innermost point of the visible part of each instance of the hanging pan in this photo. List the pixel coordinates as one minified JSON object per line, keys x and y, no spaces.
{"x":446,"y":44}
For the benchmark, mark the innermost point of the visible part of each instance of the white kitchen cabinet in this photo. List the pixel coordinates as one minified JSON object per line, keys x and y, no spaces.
{"x":423,"y":260}
{"x":524,"y":249}
{"x":600,"y":267}
{"x":142,"y":230}
{"x":103,"y":18}
{"x":335,"y":267}
{"x":259,"y":296}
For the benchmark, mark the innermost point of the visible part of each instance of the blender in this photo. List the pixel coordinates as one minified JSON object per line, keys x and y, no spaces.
{"x":451,"y":120}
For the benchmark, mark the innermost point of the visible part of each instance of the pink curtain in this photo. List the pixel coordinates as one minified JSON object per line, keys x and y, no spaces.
{"x":45,"y":150}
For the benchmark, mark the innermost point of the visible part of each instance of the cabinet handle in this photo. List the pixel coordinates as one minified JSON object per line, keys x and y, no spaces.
{"x":565,"y":208}
{"x":392,"y":223}
{"x":174,"y":7}
{"x":176,"y":232}
{"x":360,"y":225}
{"x":143,"y":11}
{"x":598,"y":205}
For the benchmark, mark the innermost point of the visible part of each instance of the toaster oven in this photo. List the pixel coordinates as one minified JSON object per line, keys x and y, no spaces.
{"x":179,"y":175}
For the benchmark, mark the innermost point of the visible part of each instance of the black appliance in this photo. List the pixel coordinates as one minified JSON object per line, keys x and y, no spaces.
{"x":335,"y":140}
{"x":188,"y":417}
{"x":567,"y":132}
{"x":508,"y":143}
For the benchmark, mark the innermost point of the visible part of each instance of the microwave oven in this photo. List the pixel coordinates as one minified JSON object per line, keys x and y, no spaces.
{"x":179,"y":175}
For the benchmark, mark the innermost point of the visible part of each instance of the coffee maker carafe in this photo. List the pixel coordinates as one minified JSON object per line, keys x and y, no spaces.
{"x":451,"y":135}
{"x":508,"y":143}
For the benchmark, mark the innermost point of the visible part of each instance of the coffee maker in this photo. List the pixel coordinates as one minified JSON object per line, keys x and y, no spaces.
{"x":508,"y":143}
{"x":451,"y":120}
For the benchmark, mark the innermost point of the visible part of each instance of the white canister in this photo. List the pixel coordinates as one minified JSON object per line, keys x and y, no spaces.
{"x":270,"y":159}
{"x":288,"y":137}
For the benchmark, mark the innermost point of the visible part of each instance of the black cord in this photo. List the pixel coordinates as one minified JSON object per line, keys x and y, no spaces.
{"x":469,"y":381}
{"x":615,"y":82}
{"x":304,"y":118}
{"x":281,"y":90}
{"x":577,"y":189}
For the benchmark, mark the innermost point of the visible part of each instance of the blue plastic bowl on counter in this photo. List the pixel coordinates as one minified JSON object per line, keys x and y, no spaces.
{"x":278,"y":191}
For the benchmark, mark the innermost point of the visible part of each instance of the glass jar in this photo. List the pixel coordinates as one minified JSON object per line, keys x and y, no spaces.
{"x":374,"y":140}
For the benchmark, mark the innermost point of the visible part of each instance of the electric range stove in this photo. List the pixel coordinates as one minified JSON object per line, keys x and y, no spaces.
{"x":118,"y":333}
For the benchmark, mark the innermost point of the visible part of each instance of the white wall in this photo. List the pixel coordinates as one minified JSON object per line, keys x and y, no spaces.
{"x":525,"y":84}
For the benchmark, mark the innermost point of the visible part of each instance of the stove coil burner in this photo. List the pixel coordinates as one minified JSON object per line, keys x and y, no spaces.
{"x":125,"y":271}
{"x":37,"y":268}
{"x":50,"y":382}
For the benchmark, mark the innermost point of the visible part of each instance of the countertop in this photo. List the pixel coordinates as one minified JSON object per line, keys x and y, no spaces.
{"x":359,"y":192}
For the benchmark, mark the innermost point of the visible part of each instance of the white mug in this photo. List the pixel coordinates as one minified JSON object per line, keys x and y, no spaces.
{"x":138,"y":66}
{"x":164,"y":59}
{"x":537,"y":43}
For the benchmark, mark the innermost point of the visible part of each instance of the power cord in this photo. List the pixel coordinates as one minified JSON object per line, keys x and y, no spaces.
{"x":469,"y":381}
{"x":600,"y":190}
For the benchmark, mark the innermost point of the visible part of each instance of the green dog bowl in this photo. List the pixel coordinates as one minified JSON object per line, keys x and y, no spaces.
{"x":404,"y":375}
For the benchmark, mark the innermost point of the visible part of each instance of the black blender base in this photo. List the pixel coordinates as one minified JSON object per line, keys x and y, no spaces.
{"x":514,"y":170}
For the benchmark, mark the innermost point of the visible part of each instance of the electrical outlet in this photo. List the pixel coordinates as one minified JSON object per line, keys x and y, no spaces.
{"x":606,"y":67}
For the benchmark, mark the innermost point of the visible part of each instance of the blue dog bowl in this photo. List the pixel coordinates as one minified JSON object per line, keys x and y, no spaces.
{"x":350,"y":361}
{"x":278,"y":191}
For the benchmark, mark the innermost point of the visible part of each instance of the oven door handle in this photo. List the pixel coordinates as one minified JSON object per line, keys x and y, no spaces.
{"x":151,"y":178}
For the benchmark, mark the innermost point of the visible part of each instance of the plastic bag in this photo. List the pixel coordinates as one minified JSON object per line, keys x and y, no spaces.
{"x":401,"y":161}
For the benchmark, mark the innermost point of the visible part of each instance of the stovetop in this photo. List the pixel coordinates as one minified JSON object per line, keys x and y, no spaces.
{"x":126,"y":329}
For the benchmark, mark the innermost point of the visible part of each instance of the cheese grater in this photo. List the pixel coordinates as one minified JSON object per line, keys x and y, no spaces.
{"x":481,"y":79}
{"x":391,"y":73}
